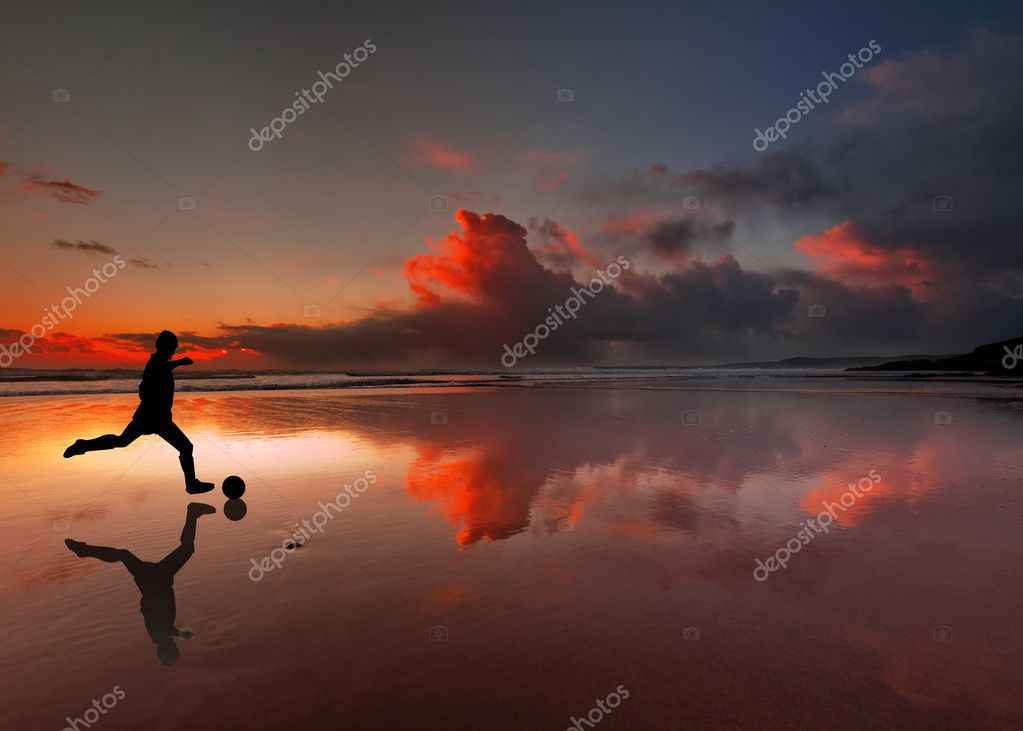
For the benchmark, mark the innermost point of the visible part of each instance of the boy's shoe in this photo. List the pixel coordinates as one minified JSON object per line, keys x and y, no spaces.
{"x":195,"y":487}
{"x":201,"y":509}
{"x":74,"y":450}
{"x":76,"y":546}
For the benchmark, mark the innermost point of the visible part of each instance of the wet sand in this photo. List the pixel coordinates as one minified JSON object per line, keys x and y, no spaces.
{"x":522,"y":554}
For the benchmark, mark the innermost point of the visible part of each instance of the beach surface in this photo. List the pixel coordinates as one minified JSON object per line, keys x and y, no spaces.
{"x":518,"y":554}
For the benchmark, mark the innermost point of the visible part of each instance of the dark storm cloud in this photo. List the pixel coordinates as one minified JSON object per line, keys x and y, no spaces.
{"x":674,"y":310}
{"x":885,"y":314}
{"x":484,"y":289}
{"x":940,"y":125}
{"x":784,"y":179}
{"x":718,"y":297}
{"x":677,"y":237}
{"x":930,"y":125}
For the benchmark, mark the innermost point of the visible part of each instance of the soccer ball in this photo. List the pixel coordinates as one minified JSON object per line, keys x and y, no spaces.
{"x":234,"y":487}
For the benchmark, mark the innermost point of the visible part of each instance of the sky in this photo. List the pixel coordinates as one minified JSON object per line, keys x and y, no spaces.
{"x":472,"y":164}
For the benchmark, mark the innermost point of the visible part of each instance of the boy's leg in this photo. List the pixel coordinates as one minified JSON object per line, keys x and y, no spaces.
{"x":105,"y":553}
{"x":173,"y":435}
{"x":108,"y":441}
{"x":174,"y":560}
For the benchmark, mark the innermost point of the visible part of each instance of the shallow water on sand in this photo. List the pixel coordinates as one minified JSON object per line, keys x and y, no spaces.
{"x":522,"y":554}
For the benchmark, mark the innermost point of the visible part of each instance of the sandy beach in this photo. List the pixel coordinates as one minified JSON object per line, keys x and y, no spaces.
{"x":522,"y":553}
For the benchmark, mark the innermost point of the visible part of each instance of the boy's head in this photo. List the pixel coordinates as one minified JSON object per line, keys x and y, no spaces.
{"x":168,"y":652}
{"x":166,"y":343}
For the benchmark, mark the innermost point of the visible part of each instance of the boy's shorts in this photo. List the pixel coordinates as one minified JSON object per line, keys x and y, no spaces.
{"x":151,"y":426}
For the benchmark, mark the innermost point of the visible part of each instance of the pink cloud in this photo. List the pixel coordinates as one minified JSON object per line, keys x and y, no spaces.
{"x":552,"y":182}
{"x":631,"y":224}
{"x":548,"y":167}
{"x":63,"y":191}
{"x":561,"y":245}
{"x":474,"y":197}
{"x":545,"y":159}
{"x":433,"y":153}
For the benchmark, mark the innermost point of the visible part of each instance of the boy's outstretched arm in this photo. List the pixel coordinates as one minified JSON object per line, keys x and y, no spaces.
{"x":180,"y":362}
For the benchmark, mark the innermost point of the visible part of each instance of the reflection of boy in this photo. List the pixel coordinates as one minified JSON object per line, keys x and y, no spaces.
{"x":155,"y":581}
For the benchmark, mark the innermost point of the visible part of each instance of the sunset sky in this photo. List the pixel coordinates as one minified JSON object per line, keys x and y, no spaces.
{"x":325,"y":249}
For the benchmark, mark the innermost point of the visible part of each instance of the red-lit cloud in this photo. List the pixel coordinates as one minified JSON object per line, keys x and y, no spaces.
{"x":56,"y":348}
{"x":489,"y":257}
{"x":844,"y":252}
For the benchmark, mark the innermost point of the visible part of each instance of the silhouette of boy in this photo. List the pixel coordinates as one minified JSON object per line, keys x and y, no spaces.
{"x":153,"y":415}
{"x":155,"y":581}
